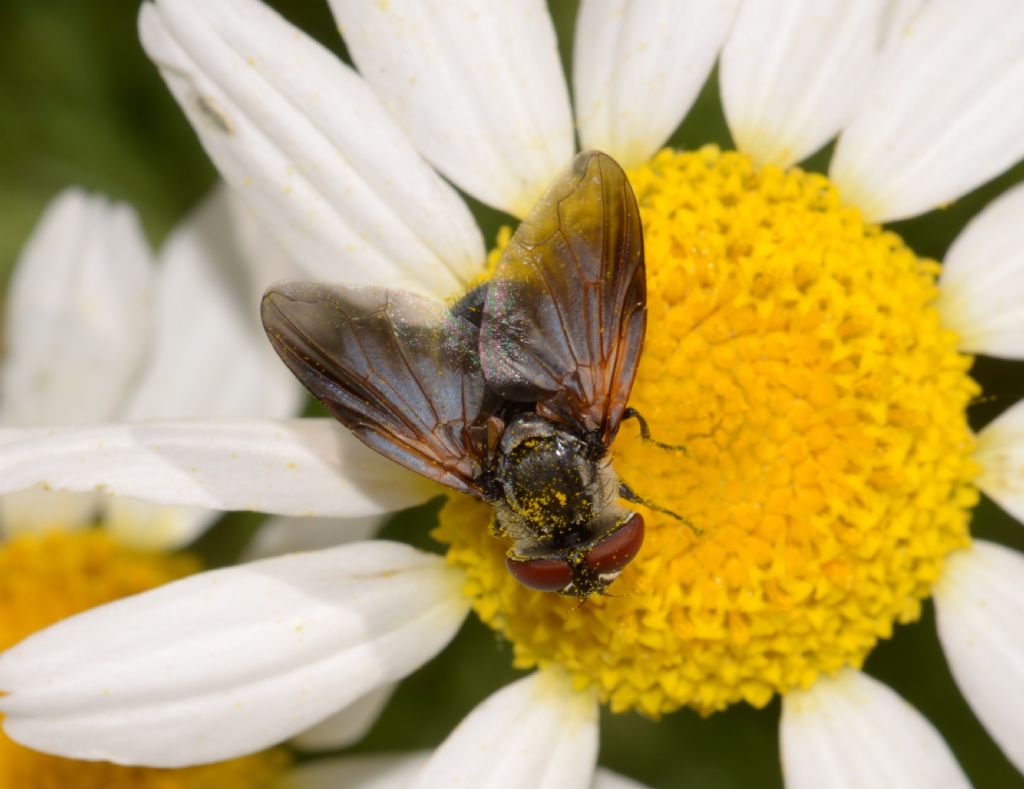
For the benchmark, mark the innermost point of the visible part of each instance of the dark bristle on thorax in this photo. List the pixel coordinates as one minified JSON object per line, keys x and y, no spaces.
{"x":471,"y":306}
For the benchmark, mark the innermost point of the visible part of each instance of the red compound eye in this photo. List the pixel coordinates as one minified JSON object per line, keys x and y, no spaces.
{"x":544,"y":575}
{"x":617,"y":549}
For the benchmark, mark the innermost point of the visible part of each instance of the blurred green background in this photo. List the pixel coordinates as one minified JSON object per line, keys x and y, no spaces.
{"x":80,"y":104}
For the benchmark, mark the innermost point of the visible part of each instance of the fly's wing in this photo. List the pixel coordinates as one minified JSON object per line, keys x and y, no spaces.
{"x":398,"y":370}
{"x":566,"y":311}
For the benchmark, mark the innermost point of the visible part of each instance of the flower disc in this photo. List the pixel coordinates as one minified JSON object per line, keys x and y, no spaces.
{"x":796,"y":352}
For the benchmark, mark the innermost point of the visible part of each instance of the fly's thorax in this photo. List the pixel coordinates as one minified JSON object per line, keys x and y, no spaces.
{"x":549,"y":478}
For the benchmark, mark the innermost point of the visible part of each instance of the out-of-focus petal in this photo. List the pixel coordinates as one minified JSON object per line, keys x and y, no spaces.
{"x":77,"y":314}
{"x":37,"y":509}
{"x":232,"y":661}
{"x":211,"y":357}
{"x":477,"y":86}
{"x":983,"y":280}
{"x":365,"y":770}
{"x":282,"y":535}
{"x":263,"y":260}
{"x":851,"y":731}
{"x":311,"y":467}
{"x":347,"y":726}
{"x":154,"y":527}
{"x":606,"y":779}
{"x":637,"y":68}
{"x":944,"y":113}
{"x":979,"y":603}
{"x":536,"y":732}
{"x":1000,"y":453}
{"x":309,"y":148}
{"x":397,"y":771}
{"x":793,"y":73}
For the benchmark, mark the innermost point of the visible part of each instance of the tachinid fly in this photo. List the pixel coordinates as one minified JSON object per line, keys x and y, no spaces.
{"x":514,"y":394}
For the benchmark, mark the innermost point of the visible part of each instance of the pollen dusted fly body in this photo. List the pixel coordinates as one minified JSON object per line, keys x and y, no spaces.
{"x":515,"y":393}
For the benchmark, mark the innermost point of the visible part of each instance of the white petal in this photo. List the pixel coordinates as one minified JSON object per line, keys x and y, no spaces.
{"x":397,"y":771}
{"x":1000,"y":453}
{"x":287,"y":535}
{"x":263,"y":259}
{"x":154,"y":527}
{"x":288,"y":467}
{"x":979,"y":603}
{"x":536,"y":732}
{"x":793,"y":72}
{"x":232,"y":661}
{"x":366,"y":771}
{"x":983,"y":280}
{"x":77,"y":314}
{"x":852,"y":731}
{"x":347,"y":726}
{"x":899,"y":16}
{"x":37,"y":509}
{"x":211,"y":357}
{"x":606,"y":779}
{"x":223,"y":221}
{"x":477,"y":86}
{"x":637,"y":68}
{"x":310,"y":149}
{"x":944,"y":114}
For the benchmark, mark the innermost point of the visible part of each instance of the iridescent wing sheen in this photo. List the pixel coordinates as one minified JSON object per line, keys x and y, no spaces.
{"x":400,"y":371}
{"x":566,"y":311}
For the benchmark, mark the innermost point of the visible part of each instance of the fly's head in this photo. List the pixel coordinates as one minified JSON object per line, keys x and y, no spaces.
{"x":581,"y":571}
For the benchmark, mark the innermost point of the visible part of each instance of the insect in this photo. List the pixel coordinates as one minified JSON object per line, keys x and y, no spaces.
{"x":514,"y":394}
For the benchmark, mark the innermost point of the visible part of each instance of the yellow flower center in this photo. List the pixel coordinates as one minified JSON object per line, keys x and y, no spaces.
{"x":796,"y":351}
{"x":44,"y":578}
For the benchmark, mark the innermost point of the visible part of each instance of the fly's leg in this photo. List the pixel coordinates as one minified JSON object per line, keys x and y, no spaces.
{"x":645,"y":434}
{"x":630,"y":495}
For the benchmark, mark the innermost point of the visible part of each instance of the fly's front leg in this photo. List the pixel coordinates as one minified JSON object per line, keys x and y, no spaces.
{"x":645,"y":433}
{"x":626,"y":492}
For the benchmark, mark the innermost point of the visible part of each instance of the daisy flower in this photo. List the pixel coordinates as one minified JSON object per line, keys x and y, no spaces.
{"x":124,"y":338}
{"x":813,"y":364}
{"x":97,"y":330}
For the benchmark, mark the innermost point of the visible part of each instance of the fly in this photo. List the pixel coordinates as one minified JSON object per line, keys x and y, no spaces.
{"x":516,"y":393}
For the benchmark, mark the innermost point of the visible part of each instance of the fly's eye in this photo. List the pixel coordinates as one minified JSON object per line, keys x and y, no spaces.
{"x":617,"y":549}
{"x":544,"y":575}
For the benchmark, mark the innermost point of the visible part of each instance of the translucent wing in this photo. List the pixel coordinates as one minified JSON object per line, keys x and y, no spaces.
{"x":566,"y":312}
{"x":398,"y":370}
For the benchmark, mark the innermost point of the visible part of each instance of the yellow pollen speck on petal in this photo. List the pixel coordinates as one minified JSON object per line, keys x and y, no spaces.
{"x":47,"y":577}
{"x":796,"y":352}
